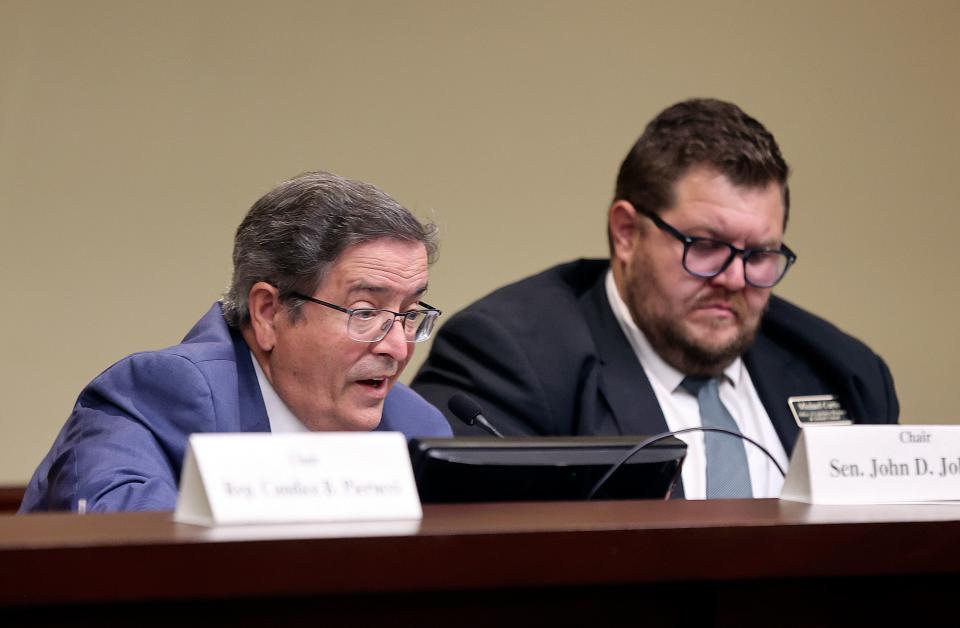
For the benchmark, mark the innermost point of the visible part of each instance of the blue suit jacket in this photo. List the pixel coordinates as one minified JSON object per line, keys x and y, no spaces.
{"x":122,"y":447}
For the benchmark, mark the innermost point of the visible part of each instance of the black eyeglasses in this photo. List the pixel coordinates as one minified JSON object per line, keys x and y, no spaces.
{"x":373,"y":324}
{"x":706,"y":257}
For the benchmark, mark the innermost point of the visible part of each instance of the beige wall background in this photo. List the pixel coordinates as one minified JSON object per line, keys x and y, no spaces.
{"x":135,"y":135}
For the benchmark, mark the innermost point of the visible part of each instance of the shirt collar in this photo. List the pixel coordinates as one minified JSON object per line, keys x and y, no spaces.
{"x":281,"y":418}
{"x":656,"y":367}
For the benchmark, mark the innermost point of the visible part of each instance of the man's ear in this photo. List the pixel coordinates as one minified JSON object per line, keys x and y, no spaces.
{"x":263,"y":302}
{"x":623,"y":229}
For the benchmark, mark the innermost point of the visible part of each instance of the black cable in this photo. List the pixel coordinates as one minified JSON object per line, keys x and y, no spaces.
{"x":659,"y":437}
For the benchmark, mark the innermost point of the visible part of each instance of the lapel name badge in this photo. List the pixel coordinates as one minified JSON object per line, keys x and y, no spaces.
{"x":818,"y":410}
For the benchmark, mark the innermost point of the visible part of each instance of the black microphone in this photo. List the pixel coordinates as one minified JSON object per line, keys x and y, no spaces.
{"x":468,"y":411}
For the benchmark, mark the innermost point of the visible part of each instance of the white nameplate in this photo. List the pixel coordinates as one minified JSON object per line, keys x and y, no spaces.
{"x":294,"y":478}
{"x":875,"y":464}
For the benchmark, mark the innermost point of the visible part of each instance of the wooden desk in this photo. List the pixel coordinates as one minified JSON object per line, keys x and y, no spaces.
{"x":736,"y":562}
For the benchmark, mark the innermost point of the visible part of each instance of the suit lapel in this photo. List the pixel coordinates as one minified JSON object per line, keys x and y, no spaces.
{"x":622,"y":382}
{"x":776,"y":379}
{"x":253,"y":412}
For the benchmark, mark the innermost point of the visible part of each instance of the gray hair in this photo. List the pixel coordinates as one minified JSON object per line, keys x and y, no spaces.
{"x":295,"y":232}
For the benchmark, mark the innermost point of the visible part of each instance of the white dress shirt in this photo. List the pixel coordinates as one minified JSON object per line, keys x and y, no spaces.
{"x":682,"y":410}
{"x":281,"y":419}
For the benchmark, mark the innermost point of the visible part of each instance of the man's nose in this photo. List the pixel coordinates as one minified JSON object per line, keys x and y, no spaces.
{"x":394,"y":344}
{"x":733,"y":277}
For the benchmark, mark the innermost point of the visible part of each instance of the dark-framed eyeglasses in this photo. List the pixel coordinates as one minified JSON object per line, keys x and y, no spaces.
{"x":706,"y":257}
{"x":373,"y":324}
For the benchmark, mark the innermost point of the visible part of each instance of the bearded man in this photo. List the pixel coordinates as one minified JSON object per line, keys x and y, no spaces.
{"x":678,"y":329}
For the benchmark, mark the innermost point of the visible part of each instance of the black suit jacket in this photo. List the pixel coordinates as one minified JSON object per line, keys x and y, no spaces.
{"x":545,"y":356}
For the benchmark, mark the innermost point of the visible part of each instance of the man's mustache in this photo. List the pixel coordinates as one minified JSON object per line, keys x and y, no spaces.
{"x":734,"y":300}
{"x":384,"y":367}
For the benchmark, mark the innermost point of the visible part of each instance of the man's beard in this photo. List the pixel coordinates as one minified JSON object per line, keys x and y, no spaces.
{"x":680,"y":349}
